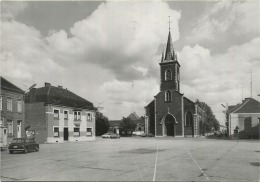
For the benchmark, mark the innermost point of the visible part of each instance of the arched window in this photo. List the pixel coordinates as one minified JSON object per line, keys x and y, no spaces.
{"x":168,"y":96}
{"x":189,"y":119}
{"x":168,"y":75}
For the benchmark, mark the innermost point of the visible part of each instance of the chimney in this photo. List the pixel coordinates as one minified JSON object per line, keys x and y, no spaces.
{"x":59,"y":86}
{"x":31,"y":95}
{"x":47,"y":84}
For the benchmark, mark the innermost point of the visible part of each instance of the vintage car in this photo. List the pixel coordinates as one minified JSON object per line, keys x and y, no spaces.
{"x":106,"y":135}
{"x":147,"y":135}
{"x":23,"y":145}
{"x":114,"y":135}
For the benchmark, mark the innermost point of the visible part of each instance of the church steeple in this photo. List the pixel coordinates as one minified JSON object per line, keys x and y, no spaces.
{"x":170,"y":67}
{"x":169,"y":54}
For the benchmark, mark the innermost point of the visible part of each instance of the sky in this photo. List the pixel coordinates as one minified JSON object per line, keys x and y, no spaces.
{"x":109,"y":52}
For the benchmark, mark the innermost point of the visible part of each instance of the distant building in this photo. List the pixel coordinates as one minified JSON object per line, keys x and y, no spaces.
{"x":12,"y":109}
{"x":139,"y":129}
{"x":245,"y":117}
{"x":54,"y":114}
{"x":170,"y":113}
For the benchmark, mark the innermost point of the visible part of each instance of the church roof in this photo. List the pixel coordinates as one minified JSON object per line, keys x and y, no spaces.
{"x":6,"y":85}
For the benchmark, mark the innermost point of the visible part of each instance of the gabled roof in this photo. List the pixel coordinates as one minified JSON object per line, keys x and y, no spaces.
{"x":58,"y":96}
{"x":8,"y":86}
{"x":133,"y":116}
{"x":249,"y":105}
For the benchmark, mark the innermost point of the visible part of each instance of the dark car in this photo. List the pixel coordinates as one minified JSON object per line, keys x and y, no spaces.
{"x":147,"y":135}
{"x":23,"y":145}
{"x":114,"y":135}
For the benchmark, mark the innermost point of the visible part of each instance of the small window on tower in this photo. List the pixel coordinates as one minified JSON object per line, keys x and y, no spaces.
{"x":168,"y":75}
{"x":168,"y":96}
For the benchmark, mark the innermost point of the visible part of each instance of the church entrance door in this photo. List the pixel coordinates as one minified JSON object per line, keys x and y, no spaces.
{"x":169,"y":125}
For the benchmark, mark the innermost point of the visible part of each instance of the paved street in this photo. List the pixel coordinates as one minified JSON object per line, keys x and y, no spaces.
{"x":137,"y":159}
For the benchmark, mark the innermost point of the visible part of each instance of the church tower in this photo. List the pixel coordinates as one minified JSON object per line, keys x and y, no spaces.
{"x":169,"y":68}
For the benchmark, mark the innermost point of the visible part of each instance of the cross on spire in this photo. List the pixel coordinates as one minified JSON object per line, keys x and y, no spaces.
{"x":169,"y":23}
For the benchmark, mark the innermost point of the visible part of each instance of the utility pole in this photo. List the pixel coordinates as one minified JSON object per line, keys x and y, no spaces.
{"x":251,"y":83}
{"x":242,"y":89}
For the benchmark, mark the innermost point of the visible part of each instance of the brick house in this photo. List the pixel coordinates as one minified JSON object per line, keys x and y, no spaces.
{"x":54,"y":114}
{"x":170,"y":113}
{"x":12,"y":109}
{"x":245,"y":116}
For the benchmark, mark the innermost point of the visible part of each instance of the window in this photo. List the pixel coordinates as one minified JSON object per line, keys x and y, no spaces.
{"x":1,"y":103}
{"x":56,"y":113}
{"x":89,"y":132}
{"x":77,"y":115}
{"x":89,"y":117}
{"x":66,"y":116}
{"x":178,"y":73}
{"x":188,"y":119}
{"x":76,"y":132}
{"x":168,"y":96}
{"x":9,"y":104}
{"x":1,"y":121}
{"x":19,"y":106}
{"x":56,"y":131}
{"x":10,"y":127}
{"x":168,"y":75}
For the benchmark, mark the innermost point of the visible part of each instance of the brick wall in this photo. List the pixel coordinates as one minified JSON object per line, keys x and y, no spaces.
{"x":151,"y":120}
{"x":189,"y":106}
{"x":171,"y":84}
{"x":35,"y":117}
{"x":175,"y":108}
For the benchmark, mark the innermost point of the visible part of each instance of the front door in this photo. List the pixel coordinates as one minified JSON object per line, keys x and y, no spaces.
{"x":66,"y":134}
{"x":169,"y":128}
{"x":18,"y":129}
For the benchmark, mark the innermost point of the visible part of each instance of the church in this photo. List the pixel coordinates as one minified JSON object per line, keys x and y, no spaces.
{"x":171,"y":113}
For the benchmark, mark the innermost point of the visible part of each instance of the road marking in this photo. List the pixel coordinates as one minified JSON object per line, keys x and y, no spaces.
{"x":202,"y":172}
{"x":155,"y":165}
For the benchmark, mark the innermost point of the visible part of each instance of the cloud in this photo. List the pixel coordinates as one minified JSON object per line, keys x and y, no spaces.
{"x":227,"y":17}
{"x":24,"y":53}
{"x":11,"y":9}
{"x":118,"y":36}
{"x":128,"y":96}
{"x":217,"y":79}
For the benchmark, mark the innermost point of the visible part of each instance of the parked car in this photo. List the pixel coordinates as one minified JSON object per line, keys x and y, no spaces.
{"x":23,"y":145}
{"x":106,"y":135}
{"x":147,"y":135}
{"x":114,"y":135}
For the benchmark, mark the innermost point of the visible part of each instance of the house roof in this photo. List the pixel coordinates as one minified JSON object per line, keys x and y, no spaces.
{"x":6,"y":85}
{"x":58,"y":96}
{"x":248,"y":105}
{"x":115,"y":122}
{"x":133,"y":116}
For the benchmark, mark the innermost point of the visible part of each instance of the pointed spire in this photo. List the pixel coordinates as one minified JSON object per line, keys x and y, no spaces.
{"x":162,"y":56}
{"x":169,"y":48}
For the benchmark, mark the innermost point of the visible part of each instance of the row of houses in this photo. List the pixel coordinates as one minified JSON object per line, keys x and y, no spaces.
{"x":49,"y":114}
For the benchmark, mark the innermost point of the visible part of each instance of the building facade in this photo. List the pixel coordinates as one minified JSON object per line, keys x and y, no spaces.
{"x":54,"y":114}
{"x":12,"y":109}
{"x":170,"y":113}
{"x":246,"y":118}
